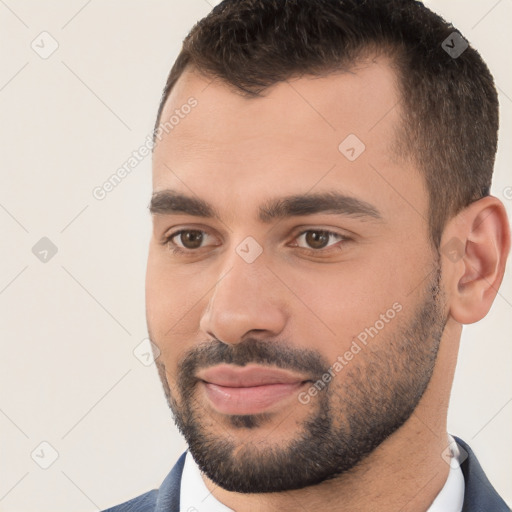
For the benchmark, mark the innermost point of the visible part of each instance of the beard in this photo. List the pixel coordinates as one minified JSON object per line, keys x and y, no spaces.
{"x":373,"y":396}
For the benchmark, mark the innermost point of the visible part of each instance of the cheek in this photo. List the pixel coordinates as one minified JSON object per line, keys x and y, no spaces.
{"x":172,"y":318}
{"x":173,"y":299}
{"x":339,"y":302}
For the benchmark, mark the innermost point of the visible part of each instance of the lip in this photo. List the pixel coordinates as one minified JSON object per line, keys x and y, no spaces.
{"x":248,"y":376}
{"x":250,"y":389}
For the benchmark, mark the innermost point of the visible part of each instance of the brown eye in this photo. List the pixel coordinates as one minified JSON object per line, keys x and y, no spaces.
{"x":189,"y":242}
{"x":317,"y":239}
{"x":190,"y":239}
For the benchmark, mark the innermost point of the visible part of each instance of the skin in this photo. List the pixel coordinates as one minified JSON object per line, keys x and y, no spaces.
{"x":236,"y":153}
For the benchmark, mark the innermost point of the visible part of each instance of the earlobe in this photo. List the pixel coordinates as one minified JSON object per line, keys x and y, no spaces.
{"x":474,"y":251}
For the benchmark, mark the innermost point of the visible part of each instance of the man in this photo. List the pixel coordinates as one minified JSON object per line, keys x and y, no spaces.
{"x":322,"y":230}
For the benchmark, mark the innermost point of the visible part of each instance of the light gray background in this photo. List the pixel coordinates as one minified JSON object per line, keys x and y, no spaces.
{"x":69,"y":326}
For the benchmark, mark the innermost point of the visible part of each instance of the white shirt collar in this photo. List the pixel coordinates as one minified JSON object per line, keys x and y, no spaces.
{"x":195,"y":496}
{"x":451,"y":496}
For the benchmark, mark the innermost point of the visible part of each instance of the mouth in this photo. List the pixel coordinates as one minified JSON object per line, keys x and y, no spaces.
{"x":250,"y":389}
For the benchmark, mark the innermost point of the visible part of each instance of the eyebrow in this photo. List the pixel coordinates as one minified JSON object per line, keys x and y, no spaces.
{"x":169,"y":202}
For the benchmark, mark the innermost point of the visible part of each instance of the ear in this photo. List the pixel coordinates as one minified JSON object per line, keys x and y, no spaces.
{"x":474,"y":249}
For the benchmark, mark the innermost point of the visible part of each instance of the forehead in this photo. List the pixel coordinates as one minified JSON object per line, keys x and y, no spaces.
{"x":353,"y":101}
{"x":323,"y":133}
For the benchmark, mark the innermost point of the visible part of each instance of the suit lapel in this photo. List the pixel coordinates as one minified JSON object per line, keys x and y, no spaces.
{"x":168,"y":499}
{"x":479,"y":494}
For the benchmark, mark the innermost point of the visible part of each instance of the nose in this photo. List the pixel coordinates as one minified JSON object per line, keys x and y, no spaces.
{"x":247,"y":299}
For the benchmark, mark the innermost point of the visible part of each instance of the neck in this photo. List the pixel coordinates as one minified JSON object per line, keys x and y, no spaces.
{"x":406,"y":472}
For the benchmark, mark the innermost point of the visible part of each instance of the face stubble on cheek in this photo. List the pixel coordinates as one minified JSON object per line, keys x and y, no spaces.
{"x":355,"y":412}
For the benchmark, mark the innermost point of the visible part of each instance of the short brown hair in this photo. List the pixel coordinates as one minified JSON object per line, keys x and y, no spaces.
{"x":450,"y":103}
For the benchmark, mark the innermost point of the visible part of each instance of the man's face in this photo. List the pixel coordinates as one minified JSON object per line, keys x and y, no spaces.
{"x":345,"y":301}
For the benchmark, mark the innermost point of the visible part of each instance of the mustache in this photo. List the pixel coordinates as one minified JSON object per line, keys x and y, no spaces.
{"x":252,"y":350}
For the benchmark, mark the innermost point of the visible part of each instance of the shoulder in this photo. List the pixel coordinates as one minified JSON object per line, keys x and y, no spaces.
{"x":166,"y":498}
{"x":479,"y":493}
{"x":143,"y":503}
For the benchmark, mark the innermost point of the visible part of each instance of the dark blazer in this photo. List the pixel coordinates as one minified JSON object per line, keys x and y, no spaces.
{"x":479,"y":496}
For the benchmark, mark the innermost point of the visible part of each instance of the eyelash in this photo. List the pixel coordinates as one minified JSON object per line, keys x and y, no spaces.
{"x":175,"y":249}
